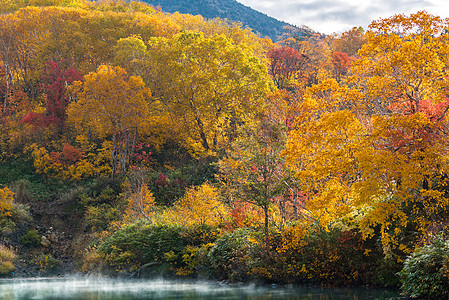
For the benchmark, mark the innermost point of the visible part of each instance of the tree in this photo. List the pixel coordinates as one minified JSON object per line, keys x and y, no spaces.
{"x":372,"y":149}
{"x":350,"y":41}
{"x":200,"y":205}
{"x":54,"y":83}
{"x":6,"y":201}
{"x":208,"y":86}
{"x":341,"y":63}
{"x":285,"y":62}
{"x":111,"y":103}
{"x":252,"y":171}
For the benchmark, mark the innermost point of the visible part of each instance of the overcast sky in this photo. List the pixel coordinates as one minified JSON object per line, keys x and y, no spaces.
{"x":329,"y":16}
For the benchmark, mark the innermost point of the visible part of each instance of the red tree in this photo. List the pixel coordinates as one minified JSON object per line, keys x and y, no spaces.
{"x":54,"y":84}
{"x":284,"y":63}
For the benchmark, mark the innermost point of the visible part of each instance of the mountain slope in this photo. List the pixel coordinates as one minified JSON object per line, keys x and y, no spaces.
{"x":225,"y":9}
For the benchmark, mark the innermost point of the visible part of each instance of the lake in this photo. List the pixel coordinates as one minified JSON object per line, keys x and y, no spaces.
{"x":94,"y":288}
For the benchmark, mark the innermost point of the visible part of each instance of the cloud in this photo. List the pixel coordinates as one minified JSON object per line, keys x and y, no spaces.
{"x":330,"y":16}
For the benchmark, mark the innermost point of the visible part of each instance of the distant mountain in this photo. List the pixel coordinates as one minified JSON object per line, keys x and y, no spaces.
{"x":225,"y":9}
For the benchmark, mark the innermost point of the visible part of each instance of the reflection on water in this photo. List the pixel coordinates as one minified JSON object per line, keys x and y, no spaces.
{"x":86,"y":288}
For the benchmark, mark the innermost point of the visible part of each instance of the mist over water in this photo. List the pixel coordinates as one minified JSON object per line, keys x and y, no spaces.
{"x":94,"y":288}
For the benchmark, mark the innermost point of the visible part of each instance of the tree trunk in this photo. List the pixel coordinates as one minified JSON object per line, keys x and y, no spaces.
{"x":124,"y":146}
{"x":265,"y":210}
{"x":202,"y":134}
{"x":114,"y":154}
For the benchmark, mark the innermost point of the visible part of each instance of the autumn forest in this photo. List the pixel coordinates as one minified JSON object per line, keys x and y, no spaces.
{"x":144,"y":143}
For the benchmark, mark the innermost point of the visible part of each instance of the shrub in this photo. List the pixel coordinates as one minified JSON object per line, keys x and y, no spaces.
{"x":167,"y":248}
{"x":7,"y":258}
{"x":333,"y":256}
{"x":30,"y":239}
{"x":141,"y":243}
{"x":19,"y":216}
{"x":100,"y":217}
{"x":426,"y":271}
{"x":46,"y":262}
{"x":231,"y":257}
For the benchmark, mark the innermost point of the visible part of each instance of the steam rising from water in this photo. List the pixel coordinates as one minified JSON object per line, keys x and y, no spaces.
{"x":95,"y":288}
{"x":107,"y":288}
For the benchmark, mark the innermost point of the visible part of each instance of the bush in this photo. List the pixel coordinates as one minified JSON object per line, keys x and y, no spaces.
{"x":101,"y":216}
{"x":231,"y":256}
{"x":333,"y":256}
{"x":7,"y":258}
{"x":46,"y":263}
{"x":426,"y":271}
{"x":141,"y":243}
{"x":30,"y":239}
{"x":19,"y":216}
{"x":167,"y":248}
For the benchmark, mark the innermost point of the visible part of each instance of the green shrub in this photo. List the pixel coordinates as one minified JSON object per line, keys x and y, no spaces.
{"x":426,"y":271}
{"x":141,"y":243}
{"x":231,"y":255}
{"x":20,"y":215}
{"x":30,"y":239}
{"x":46,"y":262}
{"x":168,"y":248}
{"x":99,"y":217}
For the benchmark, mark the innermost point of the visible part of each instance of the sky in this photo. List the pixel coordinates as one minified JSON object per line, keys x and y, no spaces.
{"x":336,"y":16}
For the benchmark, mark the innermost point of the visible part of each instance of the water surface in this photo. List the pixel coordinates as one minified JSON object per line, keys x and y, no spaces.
{"x":88,"y":288}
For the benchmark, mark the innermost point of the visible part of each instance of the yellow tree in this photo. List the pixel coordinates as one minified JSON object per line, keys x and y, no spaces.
{"x":402,"y":79}
{"x":200,"y":205}
{"x":207,"y":86}
{"x":6,"y":200}
{"x":111,"y":103}
{"x":324,"y":150}
{"x":373,"y":149}
{"x":141,"y":202}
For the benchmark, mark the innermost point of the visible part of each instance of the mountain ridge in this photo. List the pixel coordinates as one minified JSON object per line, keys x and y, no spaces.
{"x":226,"y":9}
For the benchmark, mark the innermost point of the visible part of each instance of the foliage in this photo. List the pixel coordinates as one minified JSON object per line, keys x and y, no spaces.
{"x":7,"y":258}
{"x":253,"y":171}
{"x":19,"y":218}
{"x":140,"y":243}
{"x":103,"y":204}
{"x":218,"y":85}
{"x":31,"y":239}
{"x":200,"y":205}
{"x":6,"y":199}
{"x":230,"y":257}
{"x":426,"y":270}
{"x":167,"y":248}
{"x":341,"y":157}
{"x":12,"y":214}
{"x":45,"y":262}
{"x":285,"y":62}
{"x":335,"y":256}
{"x":370,"y":150}
{"x":99,"y":217}
{"x":112,"y":103}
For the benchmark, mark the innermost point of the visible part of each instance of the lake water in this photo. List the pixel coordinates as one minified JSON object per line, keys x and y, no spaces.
{"x":88,"y":288}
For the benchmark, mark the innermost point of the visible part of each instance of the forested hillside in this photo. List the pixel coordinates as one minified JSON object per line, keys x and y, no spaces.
{"x":141,"y":143}
{"x":227,"y":9}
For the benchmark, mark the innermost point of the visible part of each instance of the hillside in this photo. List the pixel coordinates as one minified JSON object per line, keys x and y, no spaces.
{"x":225,"y":9}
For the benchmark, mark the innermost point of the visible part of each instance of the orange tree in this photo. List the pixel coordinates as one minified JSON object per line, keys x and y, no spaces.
{"x":372,"y":149}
